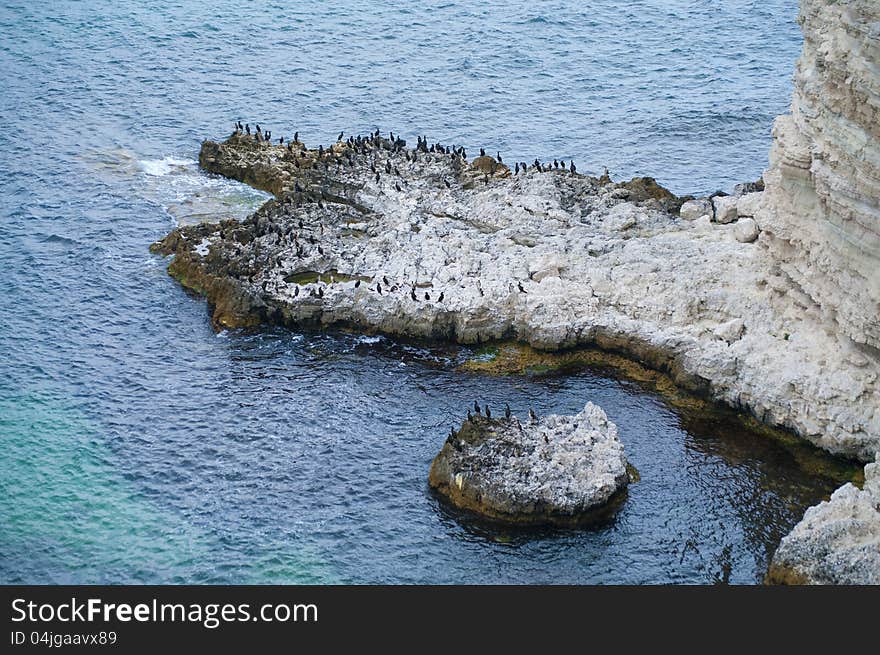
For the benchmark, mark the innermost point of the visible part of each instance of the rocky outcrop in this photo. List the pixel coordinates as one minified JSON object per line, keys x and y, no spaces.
{"x":557,"y":470}
{"x":821,"y":218}
{"x":837,"y":542}
{"x":384,"y":238}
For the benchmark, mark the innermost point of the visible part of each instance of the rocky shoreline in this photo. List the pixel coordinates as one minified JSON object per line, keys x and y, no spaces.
{"x":765,"y":300}
{"x":468,"y":251}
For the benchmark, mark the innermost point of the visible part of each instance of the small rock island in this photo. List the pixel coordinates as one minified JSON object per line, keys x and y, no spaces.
{"x":559,"y":470}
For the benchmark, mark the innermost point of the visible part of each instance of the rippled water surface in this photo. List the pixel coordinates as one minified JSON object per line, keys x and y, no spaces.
{"x":142,"y":447}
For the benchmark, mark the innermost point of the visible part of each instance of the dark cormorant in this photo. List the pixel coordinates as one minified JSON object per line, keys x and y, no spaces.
{"x":377,"y":177}
{"x":296,"y":136}
{"x":506,"y":410}
{"x":532,"y":416}
{"x":427,"y":296}
{"x":412,"y":294}
{"x":440,"y":299}
{"x":519,"y":284}
{"x":448,"y":185}
{"x":357,"y":284}
{"x":476,"y":407}
{"x":379,"y":288}
{"x":573,"y":169}
{"x":500,"y":161}
{"x":385,"y":280}
{"x":397,"y":186}
{"x":247,"y":128}
{"x":488,"y":412}
{"x":339,"y":138}
{"x":516,"y":169}
{"x":320,"y":292}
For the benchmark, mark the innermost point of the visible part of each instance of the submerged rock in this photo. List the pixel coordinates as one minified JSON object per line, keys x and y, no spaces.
{"x":558,"y":470}
{"x":837,"y":542}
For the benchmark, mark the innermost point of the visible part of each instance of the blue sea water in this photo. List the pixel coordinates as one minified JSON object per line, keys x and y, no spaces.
{"x":140,"y":446}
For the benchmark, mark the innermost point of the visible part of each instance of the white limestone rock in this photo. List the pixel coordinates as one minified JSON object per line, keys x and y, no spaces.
{"x":745,"y":230}
{"x":837,"y":541}
{"x":693,"y":209}
{"x":559,"y":469}
{"x":725,"y":209}
{"x":749,"y":204}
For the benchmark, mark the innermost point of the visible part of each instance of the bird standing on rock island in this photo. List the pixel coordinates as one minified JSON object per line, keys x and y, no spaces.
{"x":488,"y":412}
{"x":477,"y":407}
{"x":532,"y":416}
{"x":519,"y":284}
{"x":506,"y":410}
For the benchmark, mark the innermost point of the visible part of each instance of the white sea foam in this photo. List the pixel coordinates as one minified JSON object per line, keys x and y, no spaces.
{"x":164,"y":166}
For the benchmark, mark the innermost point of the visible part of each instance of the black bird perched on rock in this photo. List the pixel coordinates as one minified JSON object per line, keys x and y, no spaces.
{"x":470,"y":417}
{"x":247,"y":128}
{"x":488,"y":412}
{"x":339,"y":138}
{"x":500,"y":161}
{"x":397,"y":186}
{"x":506,"y":410}
{"x":448,"y":185}
{"x":320,"y":292}
{"x":388,"y":167}
{"x":519,"y":284}
{"x":476,"y":407}
{"x":357,"y":284}
{"x":296,"y":292}
{"x":320,"y":150}
{"x":379,"y":288}
{"x":280,"y":140}
{"x":532,"y":416}
{"x":440,"y":299}
{"x":412,"y":294}
{"x":516,"y":169}
{"x":377,"y":178}
{"x":482,"y":152}
{"x":385,"y":280}
{"x":427,"y":296}
{"x":296,"y":136}
{"x":573,"y":169}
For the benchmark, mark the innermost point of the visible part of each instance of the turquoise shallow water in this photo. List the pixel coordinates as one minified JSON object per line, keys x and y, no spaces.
{"x":142,"y":447}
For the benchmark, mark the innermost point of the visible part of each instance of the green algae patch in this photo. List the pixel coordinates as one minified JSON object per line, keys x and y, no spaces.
{"x":331,"y":276}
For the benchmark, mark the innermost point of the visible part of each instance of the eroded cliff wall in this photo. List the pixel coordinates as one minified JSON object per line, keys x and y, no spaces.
{"x":821,"y":216}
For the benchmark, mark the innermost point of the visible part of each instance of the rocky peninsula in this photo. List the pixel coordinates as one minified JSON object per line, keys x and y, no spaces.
{"x":765,"y":299}
{"x":558,"y":469}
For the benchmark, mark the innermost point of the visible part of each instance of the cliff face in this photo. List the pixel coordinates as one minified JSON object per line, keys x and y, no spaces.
{"x":821,"y":215}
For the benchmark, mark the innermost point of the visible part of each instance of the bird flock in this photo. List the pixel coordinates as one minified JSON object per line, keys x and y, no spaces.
{"x":304,"y":236}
